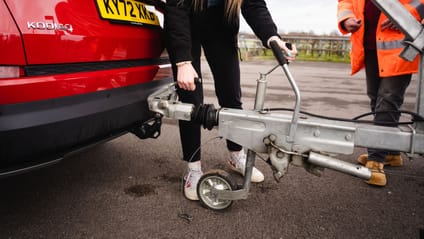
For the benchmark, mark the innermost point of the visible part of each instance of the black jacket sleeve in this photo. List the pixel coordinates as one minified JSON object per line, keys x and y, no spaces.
{"x":259,"y":19}
{"x":177,"y":31}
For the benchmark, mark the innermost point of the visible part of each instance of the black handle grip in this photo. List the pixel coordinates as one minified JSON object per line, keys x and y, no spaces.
{"x":278,"y":53}
{"x":197,"y":80}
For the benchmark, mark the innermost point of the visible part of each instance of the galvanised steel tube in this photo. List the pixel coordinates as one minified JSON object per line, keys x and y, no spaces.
{"x":339,"y":165}
{"x":260,"y":92}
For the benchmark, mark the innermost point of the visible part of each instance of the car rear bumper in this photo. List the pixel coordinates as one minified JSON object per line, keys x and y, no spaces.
{"x":41,"y":131}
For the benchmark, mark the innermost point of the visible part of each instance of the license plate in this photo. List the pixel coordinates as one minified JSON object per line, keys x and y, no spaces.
{"x":127,"y":11}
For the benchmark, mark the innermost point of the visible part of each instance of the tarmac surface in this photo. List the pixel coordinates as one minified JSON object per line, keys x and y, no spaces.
{"x":131,"y":188}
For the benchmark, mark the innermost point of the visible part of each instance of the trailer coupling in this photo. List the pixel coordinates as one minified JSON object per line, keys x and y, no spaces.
{"x":166,"y":103}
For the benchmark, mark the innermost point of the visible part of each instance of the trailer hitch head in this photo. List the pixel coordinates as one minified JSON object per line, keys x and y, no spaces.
{"x":165,"y":102}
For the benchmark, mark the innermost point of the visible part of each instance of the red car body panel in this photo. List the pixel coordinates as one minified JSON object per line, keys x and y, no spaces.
{"x":91,"y":39}
{"x":12,"y":52}
{"x":83,"y":78}
{"x":47,"y":87}
{"x":100,"y":41}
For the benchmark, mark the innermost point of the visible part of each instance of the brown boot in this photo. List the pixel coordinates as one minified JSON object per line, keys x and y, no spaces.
{"x":391,"y":160}
{"x":363,"y":159}
{"x":378,"y":178}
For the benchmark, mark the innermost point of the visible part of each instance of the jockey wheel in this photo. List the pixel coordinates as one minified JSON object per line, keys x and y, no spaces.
{"x":210,"y":184}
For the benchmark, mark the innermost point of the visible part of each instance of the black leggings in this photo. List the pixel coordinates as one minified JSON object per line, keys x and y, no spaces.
{"x":220,"y":50}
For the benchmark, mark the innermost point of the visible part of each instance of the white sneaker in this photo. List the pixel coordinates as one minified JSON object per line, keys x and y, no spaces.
{"x":237,"y":162}
{"x":190,"y":185}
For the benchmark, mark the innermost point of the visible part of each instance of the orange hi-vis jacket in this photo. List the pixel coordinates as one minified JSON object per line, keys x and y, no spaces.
{"x":389,"y":42}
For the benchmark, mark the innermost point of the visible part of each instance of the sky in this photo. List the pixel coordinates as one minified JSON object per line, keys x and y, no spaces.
{"x":318,"y":16}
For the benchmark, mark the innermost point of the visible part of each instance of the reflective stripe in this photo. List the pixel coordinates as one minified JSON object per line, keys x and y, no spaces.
{"x":343,"y":14}
{"x":387,"y":45}
{"x":418,"y":6}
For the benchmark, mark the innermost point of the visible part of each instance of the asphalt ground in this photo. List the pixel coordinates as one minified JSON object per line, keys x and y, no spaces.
{"x":131,"y":188}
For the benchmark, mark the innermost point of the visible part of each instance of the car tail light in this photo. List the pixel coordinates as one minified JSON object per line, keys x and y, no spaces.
{"x":11,"y":72}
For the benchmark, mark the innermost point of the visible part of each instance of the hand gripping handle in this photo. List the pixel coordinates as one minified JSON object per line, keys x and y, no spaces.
{"x":278,"y":53}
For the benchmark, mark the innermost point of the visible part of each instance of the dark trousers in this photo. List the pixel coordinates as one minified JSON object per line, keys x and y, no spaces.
{"x":386,"y":94}
{"x":220,"y":49}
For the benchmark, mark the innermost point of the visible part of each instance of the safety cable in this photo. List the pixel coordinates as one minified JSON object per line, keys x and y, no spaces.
{"x":181,"y":214}
{"x":416,"y":117}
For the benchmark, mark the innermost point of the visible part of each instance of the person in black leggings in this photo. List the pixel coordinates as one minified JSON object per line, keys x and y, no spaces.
{"x":212,"y":25}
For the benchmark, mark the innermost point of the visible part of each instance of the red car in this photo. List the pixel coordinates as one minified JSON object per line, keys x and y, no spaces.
{"x":74,"y":73}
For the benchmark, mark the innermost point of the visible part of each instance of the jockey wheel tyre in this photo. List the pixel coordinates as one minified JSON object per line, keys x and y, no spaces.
{"x":218,"y":180}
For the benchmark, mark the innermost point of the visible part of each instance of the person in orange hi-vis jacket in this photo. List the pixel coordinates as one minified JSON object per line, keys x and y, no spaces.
{"x":376,"y":45}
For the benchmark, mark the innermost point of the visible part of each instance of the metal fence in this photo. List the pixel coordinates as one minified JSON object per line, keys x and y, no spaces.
{"x":328,"y":48}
